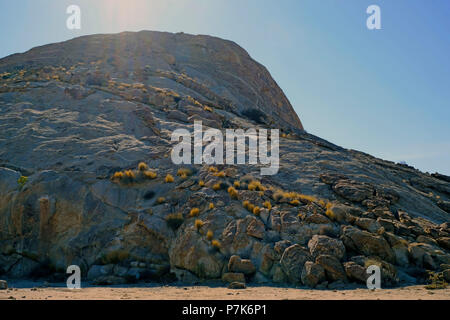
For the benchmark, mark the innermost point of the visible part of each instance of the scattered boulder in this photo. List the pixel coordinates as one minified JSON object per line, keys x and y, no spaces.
{"x":367,"y":243}
{"x":292,"y":262}
{"x":355,"y":272}
{"x":3,"y":285}
{"x":229,"y":277}
{"x":245,"y":266}
{"x":236,"y":285}
{"x":333,"y":268}
{"x":320,"y":244}
{"x":312,"y":274}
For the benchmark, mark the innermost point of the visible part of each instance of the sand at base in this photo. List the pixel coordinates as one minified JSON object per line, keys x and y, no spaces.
{"x":219,"y":293}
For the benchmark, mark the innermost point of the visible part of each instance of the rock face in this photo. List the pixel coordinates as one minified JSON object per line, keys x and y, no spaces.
{"x":78,"y":117}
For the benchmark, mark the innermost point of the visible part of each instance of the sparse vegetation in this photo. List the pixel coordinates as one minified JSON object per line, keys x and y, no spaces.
{"x":198,"y":224}
{"x":209,"y":235}
{"x":194,"y":212}
{"x":267,"y":205}
{"x":174,"y":220}
{"x":237,"y":184}
{"x":142,"y":166}
{"x":256,"y":211}
{"x":160,"y":200}
{"x":436,"y":281}
{"x":233,"y":193}
{"x":201,"y":183}
{"x":220,"y":174}
{"x":150,"y":174}
{"x":211,"y":206}
{"x":247,"y":205}
{"x":169,"y":178}
{"x":295,"y":202}
{"x":216,"y":187}
{"x":22,"y":181}
{"x":329,"y":213}
{"x":215,"y":244}
{"x":256,"y":186}
{"x":184,"y":173}
{"x":209,"y":109}
{"x":213,"y":169}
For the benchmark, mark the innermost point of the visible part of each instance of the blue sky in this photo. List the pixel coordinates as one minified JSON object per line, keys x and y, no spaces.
{"x":385,"y":92}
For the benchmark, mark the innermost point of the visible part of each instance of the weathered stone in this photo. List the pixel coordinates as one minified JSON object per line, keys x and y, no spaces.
{"x":245,"y":266}
{"x":368,"y":224}
{"x":3,"y":285}
{"x":236,"y":285}
{"x":333,"y":268}
{"x":355,"y":272}
{"x":256,"y":229}
{"x":312,"y":274}
{"x":292,"y":261}
{"x":446,"y":275}
{"x":325,"y":245}
{"x":352,"y":190}
{"x":444,"y":242}
{"x":233,"y":277}
{"x":367,"y":243}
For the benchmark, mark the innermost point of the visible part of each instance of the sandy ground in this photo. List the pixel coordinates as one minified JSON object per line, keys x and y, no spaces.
{"x":219,"y":293}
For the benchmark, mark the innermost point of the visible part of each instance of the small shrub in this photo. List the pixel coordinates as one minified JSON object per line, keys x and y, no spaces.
{"x":436,"y":281}
{"x":295,"y":202}
{"x":194,"y":212}
{"x":160,"y":200}
{"x":142,"y":166}
{"x":267,"y":205}
{"x":198,"y":224}
{"x":216,"y":187}
{"x":233,"y":193}
{"x":213,"y":169}
{"x":220,"y":174}
{"x":209,"y":109}
{"x":329,"y":213}
{"x":247,"y":205}
{"x":118,"y":175}
{"x":209,"y":235}
{"x":184,"y":172}
{"x":150,"y":174}
{"x":201,"y":183}
{"x":22,"y":180}
{"x":237,"y":184}
{"x":130,"y":174}
{"x":215,"y":244}
{"x":211,"y":206}
{"x":256,"y":211}
{"x":174,"y":220}
{"x":256,"y":186}
{"x":169,"y":178}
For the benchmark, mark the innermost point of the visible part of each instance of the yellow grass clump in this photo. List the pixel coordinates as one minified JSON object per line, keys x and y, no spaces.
{"x":213,"y":169}
{"x":161,"y":200}
{"x":233,"y":192}
{"x":209,"y":235}
{"x":216,"y":186}
{"x":142,"y":166}
{"x":198,"y":224}
{"x":237,"y":184}
{"x":194,"y":212}
{"x":220,"y":174}
{"x":184,"y":172}
{"x":201,"y":183}
{"x":215,"y":244}
{"x":267,"y":204}
{"x":256,"y":211}
{"x":256,"y":186}
{"x":150,"y":174}
{"x":211,"y":206}
{"x":169,"y":178}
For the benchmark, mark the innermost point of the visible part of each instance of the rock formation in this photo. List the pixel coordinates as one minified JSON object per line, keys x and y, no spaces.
{"x":85,"y":164}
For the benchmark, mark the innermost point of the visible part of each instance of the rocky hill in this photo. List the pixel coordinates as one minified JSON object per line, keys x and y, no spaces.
{"x":86,"y":176}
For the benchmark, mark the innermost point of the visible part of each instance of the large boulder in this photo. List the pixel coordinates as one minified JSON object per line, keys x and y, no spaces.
{"x":245,"y":266}
{"x":333,"y":268}
{"x":325,"y":245}
{"x":312,"y":274}
{"x":367,"y":243}
{"x":292,"y":262}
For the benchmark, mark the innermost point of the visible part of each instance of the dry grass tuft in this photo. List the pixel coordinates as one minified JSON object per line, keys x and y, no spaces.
{"x":198,"y":224}
{"x":233,"y":193}
{"x":194,"y":212}
{"x":142,"y":166}
{"x":209,"y":235}
{"x":169,"y":178}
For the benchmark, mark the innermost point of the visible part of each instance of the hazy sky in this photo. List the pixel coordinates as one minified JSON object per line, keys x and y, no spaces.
{"x":385,"y":92}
